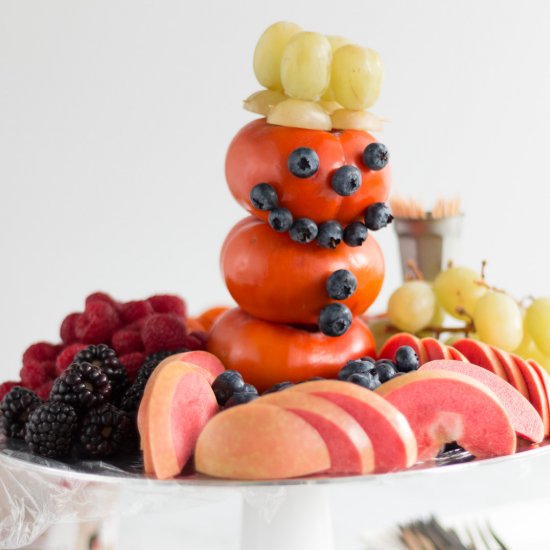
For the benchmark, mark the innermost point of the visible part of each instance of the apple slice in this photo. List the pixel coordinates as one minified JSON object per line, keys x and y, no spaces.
{"x":348,"y":445}
{"x":443,"y":407}
{"x":435,"y":349}
{"x":391,"y":437}
{"x":209,"y":364}
{"x":525,"y":418}
{"x":537,"y":389}
{"x":456,"y":355}
{"x":180,"y":404}
{"x":545,"y":380}
{"x":389,"y":349}
{"x":480,"y":354}
{"x":260,"y":441}
{"x":513,"y":373}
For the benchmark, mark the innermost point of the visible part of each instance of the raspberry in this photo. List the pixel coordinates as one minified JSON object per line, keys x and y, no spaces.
{"x":41,"y":351}
{"x":167,"y":303}
{"x":101,"y":297}
{"x":45,"y":389}
{"x":65,"y":358}
{"x":6,"y":387}
{"x":136,"y":326}
{"x":35,"y":374}
{"x":127,"y":341}
{"x":196,"y":340}
{"x":98,"y":323}
{"x":163,"y":332}
{"x":132,"y":363}
{"x":132,"y":311}
{"x":68,"y":328}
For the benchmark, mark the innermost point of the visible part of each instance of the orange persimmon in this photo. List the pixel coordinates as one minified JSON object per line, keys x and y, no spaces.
{"x":259,"y":154}
{"x":266,"y":353}
{"x":276,"y":279}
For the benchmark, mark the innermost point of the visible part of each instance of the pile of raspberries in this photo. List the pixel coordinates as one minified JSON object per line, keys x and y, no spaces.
{"x":133,"y":329}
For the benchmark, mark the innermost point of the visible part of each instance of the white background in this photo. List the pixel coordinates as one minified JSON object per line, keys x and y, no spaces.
{"x":115,"y":115}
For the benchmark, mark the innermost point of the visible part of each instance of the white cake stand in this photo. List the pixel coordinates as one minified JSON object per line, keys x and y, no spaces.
{"x":36,"y":494}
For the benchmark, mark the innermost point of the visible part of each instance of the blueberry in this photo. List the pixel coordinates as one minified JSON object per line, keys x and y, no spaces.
{"x":354,"y":367}
{"x":377,"y":216}
{"x":249,"y":388}
{"x":355,"y":234}
{"x":366,"y":380}
{"x":376,"y":156}
{"x":226,"y":384}
{"x":240,"y":398}
{"x":384,"y":362}
{"x":385,"y":371}
{"x":369,"y":359}
{"x":346,"y":180}
{"x":406,"y":359}
{"x":303,"y":162}
{"x":280,"y":219}
{"x":303,"y":230}
{"x":278,"y":387}
{"x":341,"y":284}
{"x":263,"y":197}
{"x":335,"y":319}
{"x":330,"y":234}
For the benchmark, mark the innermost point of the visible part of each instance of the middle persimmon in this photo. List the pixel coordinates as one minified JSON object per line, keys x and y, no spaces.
{"x":276,"y":279}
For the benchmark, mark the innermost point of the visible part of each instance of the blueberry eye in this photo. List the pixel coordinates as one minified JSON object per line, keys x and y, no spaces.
{"x":346,"y":180}
{"x":303,"y":162}
{"x":376,"y":156}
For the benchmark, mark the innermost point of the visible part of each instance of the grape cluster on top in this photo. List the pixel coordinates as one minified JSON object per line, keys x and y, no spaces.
{"x":88,"y":411}
{"x":370,"y":374}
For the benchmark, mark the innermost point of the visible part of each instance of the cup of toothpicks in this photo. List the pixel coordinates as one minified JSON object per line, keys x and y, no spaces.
{"x":428,"y":238}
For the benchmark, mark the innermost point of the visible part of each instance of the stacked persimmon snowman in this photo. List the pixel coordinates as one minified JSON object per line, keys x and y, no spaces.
{"x":302,"y":269}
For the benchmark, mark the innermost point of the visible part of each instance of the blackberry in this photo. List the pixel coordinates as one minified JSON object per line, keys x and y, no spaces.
{"x":132,"y":396}
{"x":50,"y":429}
{"x":103,"y":431}
{"x":106,"y":358}
{"x":82,"y":386}
{"x":15,"y":409}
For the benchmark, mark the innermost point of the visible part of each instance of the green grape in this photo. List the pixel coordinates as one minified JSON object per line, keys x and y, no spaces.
{"x":537,"y":322}
{"x":411,"y":307}
{"x":526,"y":346}
{"x":335,"y":43}
{"x":438,"y":318}
{"x":297,"y":113}
{"x":356,"y":76}
{"x":269,"y":51}
{"x":263,"y":101}
{"x":305,"y":66}
{"x":456,"y":288}
{"x":498,"y":320}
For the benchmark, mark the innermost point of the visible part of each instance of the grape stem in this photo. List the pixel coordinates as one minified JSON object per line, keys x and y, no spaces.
{"x":438,"y":331}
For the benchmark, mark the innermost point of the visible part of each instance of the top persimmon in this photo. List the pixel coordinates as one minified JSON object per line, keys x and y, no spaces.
{"x":260,"y":153}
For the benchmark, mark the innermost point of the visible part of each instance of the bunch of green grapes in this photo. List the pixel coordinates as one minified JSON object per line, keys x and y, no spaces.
{"x":310,"y":76}
{"x":495,"y":317}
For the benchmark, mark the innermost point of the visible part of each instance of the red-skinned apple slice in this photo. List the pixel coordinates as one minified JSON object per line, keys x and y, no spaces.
{"x":260,"y":441}
{"x":480,"y":354}
{"x":435,"y":349}
{"x":456,"y":355}
{"x":443,"y":407}
{"x":525,"y":418}
{"x":513,"y":373}
{"x":391,"y":436}
{"x":180,"y":404}
{"x":538,"y":395}
{"x":389,"y":349}
{"x":349,"y":447}
{"x":545,"y":380}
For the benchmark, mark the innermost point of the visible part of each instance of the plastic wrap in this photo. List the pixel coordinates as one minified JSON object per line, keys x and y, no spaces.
{"x":37,"y":493}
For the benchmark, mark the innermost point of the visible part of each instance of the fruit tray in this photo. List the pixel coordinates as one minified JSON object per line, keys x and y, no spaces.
{"x":95,"y":490}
